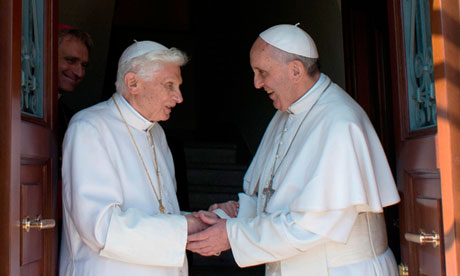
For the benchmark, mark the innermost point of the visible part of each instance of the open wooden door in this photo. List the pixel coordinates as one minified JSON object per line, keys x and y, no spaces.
{"x":392,"y":74}
{"x":415,"y":83}
{"x":28,"y":164}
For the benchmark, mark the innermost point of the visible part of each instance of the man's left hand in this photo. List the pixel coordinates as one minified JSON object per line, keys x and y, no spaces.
{"x":195,"y":224}
{"x":211,"y":241}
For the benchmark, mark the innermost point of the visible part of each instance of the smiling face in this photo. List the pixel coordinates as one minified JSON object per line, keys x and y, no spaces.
{"x":72,"y":63}
{"x":155,"y":98}
{"x":272,"y":75}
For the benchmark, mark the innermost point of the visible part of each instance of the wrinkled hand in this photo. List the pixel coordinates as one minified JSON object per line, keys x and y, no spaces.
{"x":207,"y":217}
{"x":229,"y":207}
{"x":211,"y":241}
{"x":195,"y":224}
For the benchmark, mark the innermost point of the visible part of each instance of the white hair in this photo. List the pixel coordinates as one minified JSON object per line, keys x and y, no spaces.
{"x":147,"y":64}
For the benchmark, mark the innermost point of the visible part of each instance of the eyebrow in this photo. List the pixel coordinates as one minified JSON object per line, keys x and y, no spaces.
{"x":74,"y":58}
{"x":259,"y":69}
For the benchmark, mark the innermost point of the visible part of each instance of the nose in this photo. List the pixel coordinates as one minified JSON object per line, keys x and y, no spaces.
{"x":258,"y":83}
{"x":178,"y":96}
{"x":79,"y":70}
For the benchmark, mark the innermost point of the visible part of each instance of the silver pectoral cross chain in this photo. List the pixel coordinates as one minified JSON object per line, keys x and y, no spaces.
{"x":268,"y":192}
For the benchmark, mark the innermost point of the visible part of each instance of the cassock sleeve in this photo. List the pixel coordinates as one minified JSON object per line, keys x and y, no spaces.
{"x":270,"y":238}
{"x":92,"y":196}
{"x":248,"y":206}
{"x":247,"y":209}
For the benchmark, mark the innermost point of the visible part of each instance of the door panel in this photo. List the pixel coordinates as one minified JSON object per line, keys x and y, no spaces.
{"x":10,"y":87}
{"x":38,"y":249}
{"x":28,"y":164}
{"x":31,"y":207}
{"x":424,"y":187}
{"x":417,"y":172}
{"x":38,"y":165}
{"x":33,"y":179}
{"x":35,"y":140}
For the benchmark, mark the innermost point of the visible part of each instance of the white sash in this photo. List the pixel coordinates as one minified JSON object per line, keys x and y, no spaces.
{"x":368,"y":239}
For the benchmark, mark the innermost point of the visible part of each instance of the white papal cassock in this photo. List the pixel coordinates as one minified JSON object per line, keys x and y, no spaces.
{"x":111,"y":222}
{"x":332,"y":181}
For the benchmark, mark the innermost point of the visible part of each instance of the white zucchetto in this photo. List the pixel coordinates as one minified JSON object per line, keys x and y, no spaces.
{"x":139,"y":48}
{"x":291,"y":39}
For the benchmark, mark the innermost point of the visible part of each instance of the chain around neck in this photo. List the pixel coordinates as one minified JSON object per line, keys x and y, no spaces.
{"x":269,"y":188}
{"x":157,"y":195}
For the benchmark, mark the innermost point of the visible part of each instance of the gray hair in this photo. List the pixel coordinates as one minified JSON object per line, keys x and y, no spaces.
{"x":311,"y":64}
{"x":147,"y":64}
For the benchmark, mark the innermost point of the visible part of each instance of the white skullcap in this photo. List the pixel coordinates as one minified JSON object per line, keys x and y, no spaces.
{"x":139,"y":48}
{"x":291,"y":39}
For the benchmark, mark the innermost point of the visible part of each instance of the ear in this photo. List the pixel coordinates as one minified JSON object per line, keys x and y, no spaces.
{"x":297,"y":70}
{"x":132,"y":83}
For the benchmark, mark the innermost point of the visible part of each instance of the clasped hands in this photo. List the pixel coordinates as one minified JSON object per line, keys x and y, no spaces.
{"x":207,"y":233}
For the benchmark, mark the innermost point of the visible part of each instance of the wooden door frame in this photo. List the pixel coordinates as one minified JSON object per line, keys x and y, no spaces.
{"x":445,"y":23}
{"x":11,"y":121}
{"x":446,"y":53}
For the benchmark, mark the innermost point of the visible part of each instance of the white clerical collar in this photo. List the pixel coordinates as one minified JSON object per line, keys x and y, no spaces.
{"x":311,"y":96}
{"x":133,"y":118}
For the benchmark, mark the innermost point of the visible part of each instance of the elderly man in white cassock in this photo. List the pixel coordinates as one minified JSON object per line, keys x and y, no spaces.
{"x":315,"y":191}
{"x":120,"y":211}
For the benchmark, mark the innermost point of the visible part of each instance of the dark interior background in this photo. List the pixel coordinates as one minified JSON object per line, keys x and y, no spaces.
{"x":220,"y":101}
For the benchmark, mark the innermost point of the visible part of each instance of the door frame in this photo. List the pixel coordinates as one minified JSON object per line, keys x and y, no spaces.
{"x":445,"y":23}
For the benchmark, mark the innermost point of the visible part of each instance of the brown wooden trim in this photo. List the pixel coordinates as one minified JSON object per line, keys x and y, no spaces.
{"x":349,"y":56}
{"x":413,"y":175}
{"x":408,"y":134}
{"x":399,"y":77}
{"x":35,"y":120}
{"x":49,"y":65}
{"x":51,"y":34}
{"x":10,"y":102}
{"x":51,"y":238}
{"x":398,"y":65}
{"x":408,"y":250}
{"x":420,"y":133}
{"x":446,"y":53}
